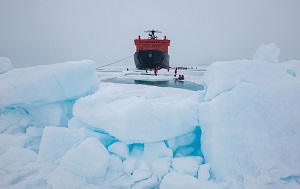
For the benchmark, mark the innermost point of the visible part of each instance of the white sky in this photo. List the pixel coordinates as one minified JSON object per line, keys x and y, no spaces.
{"x":34,"y":32}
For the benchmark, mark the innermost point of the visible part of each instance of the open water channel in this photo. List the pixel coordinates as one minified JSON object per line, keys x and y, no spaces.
{"x":166,"y":83}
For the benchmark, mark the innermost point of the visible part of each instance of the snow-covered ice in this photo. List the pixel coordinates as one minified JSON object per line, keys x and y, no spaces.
{"x":225,"y":76}
{"x":204,"y":172}
{"x":268,"y":53}
{"x":5,"y":65}
{"x":186,"y":165}
{"x":56,"y":141}
{"x":120,"y":149}
{"x":292,"y":67}
{"x":250,"y":124}
{"x":62,"y":128}
{"x":178,"y":180}
{"x":161,"y":118}
{"x":83,"y":165}
{"x":39,"y":85}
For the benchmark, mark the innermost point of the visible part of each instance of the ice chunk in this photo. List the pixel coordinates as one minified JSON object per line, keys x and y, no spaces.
{"x":14,"y":121}
{"x":139,"y":120}
{"x":225,"y":76}
{"x":52,"y":113}
{"x":143,"y":165}
{"x":140,"y":174}
{"x":120,"y":149}
{"x":84,"y":165}
{"x":34,"y":86}
{"x":115,"y":163}
{"x":56,"y":141}
{"x":115,"y":176}
{"x":249,"y":124}
{"x":105,"y":138}
{"x":198,"y":159}
{"x":183,"y":140}
{"x":155,"y":150}
{"x":203,"y":172}
{"x":268,"y":53}
{"x":185,"y":151}
{"x":5,"y":65}
{"x":186,"y":165}
{"x":10,"y":141}
{"x":61,"y":178}
{"x":160,"y":167}
{"x":185,"y":145}
{"x":73,"y":123}
{"x":252,"y":130}
{"x":151,"y":182}
{"x":177,"y":180}
{"x":34,"y":131}
{"x":90,"y":159}
{"x":137,"y":150}
{"x":130,"y":165}
{"x":292,"y":67}
{"x":117,"y":181}
{"x":16,"y":157}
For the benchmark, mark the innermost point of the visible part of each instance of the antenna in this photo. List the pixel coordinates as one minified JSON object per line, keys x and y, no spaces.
{"x":152,"y":32}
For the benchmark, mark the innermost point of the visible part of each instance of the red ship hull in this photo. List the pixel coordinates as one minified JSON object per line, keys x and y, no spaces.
{"x":156,"y":59}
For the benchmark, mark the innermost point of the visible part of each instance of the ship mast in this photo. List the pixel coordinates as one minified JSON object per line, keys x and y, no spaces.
{"x":152,"y":32}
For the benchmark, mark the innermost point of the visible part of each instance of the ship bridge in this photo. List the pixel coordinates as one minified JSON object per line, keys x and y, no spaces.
{"x":152,"y":44}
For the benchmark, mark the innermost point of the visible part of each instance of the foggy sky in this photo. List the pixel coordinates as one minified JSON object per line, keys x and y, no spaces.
{"x":35,"y":32}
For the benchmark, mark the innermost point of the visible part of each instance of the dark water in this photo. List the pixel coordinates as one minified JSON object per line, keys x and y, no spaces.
{"x":169,"y":83}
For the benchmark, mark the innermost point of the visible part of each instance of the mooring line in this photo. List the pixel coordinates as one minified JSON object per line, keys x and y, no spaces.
{"x":115,"y":62}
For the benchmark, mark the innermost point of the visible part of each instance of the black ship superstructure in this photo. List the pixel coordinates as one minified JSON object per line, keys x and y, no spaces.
{"x":151,"y":52}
